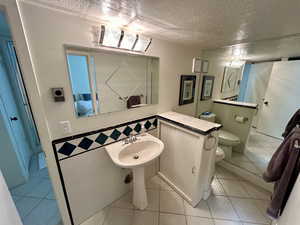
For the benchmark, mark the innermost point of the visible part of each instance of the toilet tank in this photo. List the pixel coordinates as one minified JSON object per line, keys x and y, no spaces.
{"x":208,"y":116}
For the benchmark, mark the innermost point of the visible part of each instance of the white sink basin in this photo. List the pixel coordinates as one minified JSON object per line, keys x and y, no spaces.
{"x":135,"y":156}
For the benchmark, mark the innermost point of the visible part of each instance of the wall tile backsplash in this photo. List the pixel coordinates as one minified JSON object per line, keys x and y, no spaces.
{"x":71,"y":146}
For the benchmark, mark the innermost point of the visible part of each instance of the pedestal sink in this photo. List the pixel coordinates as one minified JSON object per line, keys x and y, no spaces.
{"x":135,"y":154}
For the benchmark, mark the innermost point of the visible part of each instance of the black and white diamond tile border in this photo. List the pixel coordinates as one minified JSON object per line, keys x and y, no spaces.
{"x":71,"y":146}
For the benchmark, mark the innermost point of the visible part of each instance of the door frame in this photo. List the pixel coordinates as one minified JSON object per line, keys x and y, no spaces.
{"x":13,"y":12}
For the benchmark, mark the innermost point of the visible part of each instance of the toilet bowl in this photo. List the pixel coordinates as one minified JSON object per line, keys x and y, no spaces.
{"x":227,"y":140}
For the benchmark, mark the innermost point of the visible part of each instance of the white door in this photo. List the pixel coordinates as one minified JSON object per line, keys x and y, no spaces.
{"x":11,"y":114}
{"x":282,"y":98}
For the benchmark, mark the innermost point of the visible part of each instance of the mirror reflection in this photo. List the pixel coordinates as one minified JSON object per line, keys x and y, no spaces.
{"x":107,"y":81}
{"x":255,"y":96}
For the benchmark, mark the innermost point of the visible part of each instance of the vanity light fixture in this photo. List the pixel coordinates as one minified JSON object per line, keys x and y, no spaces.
{"x":117,"y":38}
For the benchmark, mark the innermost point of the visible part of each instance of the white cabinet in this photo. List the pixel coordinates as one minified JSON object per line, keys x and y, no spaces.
{"x":185,"y":164}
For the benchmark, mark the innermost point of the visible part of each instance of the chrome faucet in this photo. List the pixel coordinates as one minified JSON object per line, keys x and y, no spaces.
{"x":132,"y":138}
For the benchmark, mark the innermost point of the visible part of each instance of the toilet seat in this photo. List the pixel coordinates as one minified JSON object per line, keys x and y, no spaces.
{"x":220,"y":154}
{"x":227,"y":138}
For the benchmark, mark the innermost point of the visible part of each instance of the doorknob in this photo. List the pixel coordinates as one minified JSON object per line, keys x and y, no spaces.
{"x":266,"y":102}
{"x":13,"y":118}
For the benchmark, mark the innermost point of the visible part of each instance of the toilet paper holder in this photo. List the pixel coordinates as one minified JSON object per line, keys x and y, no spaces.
{"x":240,"y":119}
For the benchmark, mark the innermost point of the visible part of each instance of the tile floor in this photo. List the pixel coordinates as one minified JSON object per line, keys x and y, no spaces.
{"x":258,"y":153}
{"x":233,"y":202}
{"x":35,"y":200}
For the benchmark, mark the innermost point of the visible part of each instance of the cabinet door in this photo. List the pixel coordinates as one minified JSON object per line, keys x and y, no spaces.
{"x":178,"y":160}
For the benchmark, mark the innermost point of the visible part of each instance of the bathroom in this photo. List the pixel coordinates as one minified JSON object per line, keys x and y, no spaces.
{"x":85,"y":92}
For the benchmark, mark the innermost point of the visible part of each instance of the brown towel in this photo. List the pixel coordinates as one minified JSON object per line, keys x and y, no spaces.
{"x":292,"y":123}
{"x":133,"y":100}
{"x":283,"y":169}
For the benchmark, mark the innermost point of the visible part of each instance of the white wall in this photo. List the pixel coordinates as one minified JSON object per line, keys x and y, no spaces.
{"x":47,"y":32}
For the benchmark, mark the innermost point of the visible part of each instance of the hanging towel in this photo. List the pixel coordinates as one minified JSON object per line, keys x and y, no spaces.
{"x":133,"y":100}
{"x":292,"y":123}
{"x":283,"y":169}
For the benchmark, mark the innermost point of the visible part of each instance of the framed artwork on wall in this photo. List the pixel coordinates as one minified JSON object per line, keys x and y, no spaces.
{"x":207,"y":87}
{"x":230,"y":79}
{"x":187,"y":89}
{"x":204,"y":66}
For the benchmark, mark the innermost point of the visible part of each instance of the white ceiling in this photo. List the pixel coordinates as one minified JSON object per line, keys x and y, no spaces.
{"x":207,"y":23}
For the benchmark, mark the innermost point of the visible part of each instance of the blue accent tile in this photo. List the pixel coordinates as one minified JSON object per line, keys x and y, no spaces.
{"x":127,"y":131}
{"x":85,"y":143}
{"x":138,"y":128}
{"x":147,"y":125}
{"x":67,"y":149}
{"x":101,"y":139}
{"x":115,"y":134}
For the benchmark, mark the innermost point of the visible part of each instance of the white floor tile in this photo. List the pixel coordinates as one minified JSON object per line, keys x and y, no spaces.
{"x":124,"y":202}
{"x":227,"y":222}
{"x":153,"y":200}
{"x":145,"y":218}
{"x":217,"y":188}
{"x":43,"y":214}
{"x":221,"y":208}
{"x":98,"y":218}
{"x":171,"y":219}
{"x":222,"y":173}
{"x":234,"y":188}
{"x":201,"y":209}
{"x":248,"y":211}
{"x":171,"y":202}
{"x":256,"y":192}
{"x":117,"y":216}
{"x":191,"y":220}
{"x":26,"y":205}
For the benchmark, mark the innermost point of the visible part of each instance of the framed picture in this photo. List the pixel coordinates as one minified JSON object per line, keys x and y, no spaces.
{"x":204,"y":66}
{"x":230,"y":79}
{"x":187,"y":89}
{"x":207,"y":87}
{"x":197,"y":65}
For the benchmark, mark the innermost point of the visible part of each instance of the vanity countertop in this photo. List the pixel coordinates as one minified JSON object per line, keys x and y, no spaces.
{"x":191,"y":123}
{"x":236,"y":103}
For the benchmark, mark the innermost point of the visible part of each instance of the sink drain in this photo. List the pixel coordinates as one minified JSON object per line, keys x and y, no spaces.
{"x":136,"y":157}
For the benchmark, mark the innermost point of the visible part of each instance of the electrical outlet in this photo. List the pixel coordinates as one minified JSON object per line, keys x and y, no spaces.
{"x":66,"y":126}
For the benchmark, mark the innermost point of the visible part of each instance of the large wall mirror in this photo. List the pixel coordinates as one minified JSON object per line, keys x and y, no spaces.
{"x":108,"y":81}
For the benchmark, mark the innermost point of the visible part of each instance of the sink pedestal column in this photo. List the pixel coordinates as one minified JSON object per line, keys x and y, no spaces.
{"x":139,"y":188}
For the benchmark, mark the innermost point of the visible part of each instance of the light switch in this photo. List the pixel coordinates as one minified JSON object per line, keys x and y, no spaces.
{"x":66,"y":126}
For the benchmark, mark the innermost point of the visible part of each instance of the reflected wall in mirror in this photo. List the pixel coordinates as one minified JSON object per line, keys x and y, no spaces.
{"x":111,"y":81}
{"x":79,"y":65}
{"x":269,"y":78}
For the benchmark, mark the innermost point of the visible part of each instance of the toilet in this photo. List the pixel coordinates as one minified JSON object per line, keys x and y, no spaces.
{"x":227,"y":140}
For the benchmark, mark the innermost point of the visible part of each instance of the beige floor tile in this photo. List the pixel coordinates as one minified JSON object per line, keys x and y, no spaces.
{"x":124,"y":202}
{"x":227,"y":222}
{"x":145,"y":218}
{"x":256,"y":192}
{"x":171,"y":219}
{"x":222,"y":173}
{"x":234,"y":188}
{"x":191,"y":220}
{"x":118,"y":216}
{"x":221,"y":208}
{"x":217,"y":188}
{"x":153,"y":199}
{"x":171,"y":202}
{"x":248,"y":211}
{"x":201,"y":209}
{"x":98,"y":218}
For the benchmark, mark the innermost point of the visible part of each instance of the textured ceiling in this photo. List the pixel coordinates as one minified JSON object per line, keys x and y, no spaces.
{"x":207,"y":23}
